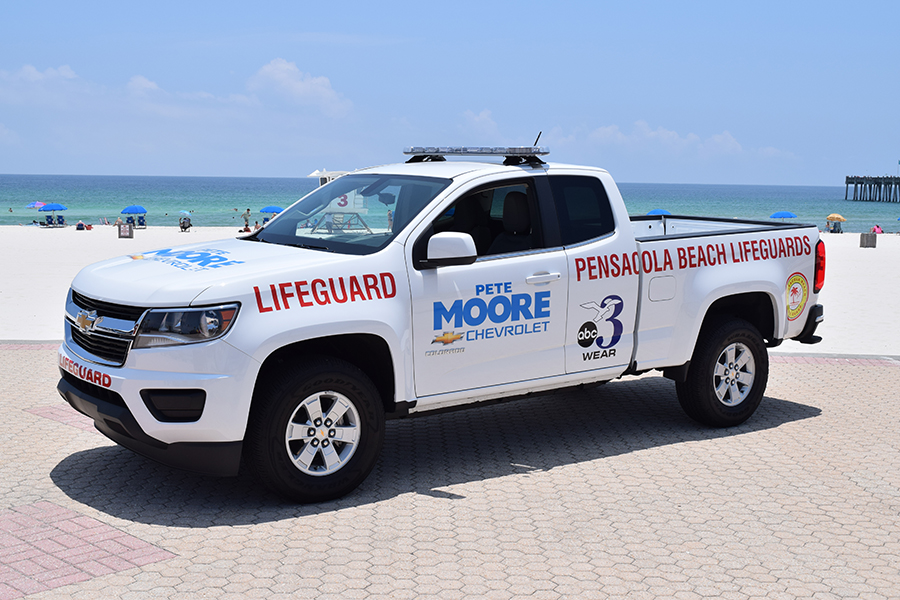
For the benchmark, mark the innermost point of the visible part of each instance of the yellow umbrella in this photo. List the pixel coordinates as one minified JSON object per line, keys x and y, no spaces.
{"x":835,"y":217}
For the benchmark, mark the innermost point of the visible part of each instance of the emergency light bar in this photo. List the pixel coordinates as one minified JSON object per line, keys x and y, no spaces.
{"x":477,"y":150}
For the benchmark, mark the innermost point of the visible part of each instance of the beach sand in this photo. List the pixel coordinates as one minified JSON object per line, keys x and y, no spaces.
{"x":39,"y":264}
{"x":862,"y":285}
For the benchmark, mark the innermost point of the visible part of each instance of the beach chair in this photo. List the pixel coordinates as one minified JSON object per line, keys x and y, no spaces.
{"x":60,"y":221}
{"x":79,"y":226}
{"x":185,"y":223}
{"x":142,"y":222}
{"x":130,"y":219}
{"x":49,"y":220}
{"x":265,"y":220}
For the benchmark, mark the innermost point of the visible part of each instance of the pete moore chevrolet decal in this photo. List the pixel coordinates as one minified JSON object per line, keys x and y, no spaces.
{"x":493,"y":312}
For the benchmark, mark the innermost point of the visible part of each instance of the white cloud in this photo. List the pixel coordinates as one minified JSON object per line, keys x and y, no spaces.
{"x":482,"y":126}
{"x":609,"y":134}
{"x":722,"y":143}
{"x":770,"y":152}
{"x":30,"y":73}
{"x":643,"y":137}
{"x":141,"y":86}
{"x":302,"y":88}
{"x":556,"y":136}
{"x":238,"y":99}
{"x":30,"y":87}
{"x":7,"y":136}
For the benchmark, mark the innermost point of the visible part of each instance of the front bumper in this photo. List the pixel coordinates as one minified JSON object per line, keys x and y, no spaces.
{"x":186,"y":407}
{"x":113,"y":419}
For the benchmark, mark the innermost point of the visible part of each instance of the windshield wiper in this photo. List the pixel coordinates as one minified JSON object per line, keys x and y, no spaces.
{"x":311,"y":247}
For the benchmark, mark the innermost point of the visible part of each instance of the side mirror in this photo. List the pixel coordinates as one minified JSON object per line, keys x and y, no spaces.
{"x":451,"y":248}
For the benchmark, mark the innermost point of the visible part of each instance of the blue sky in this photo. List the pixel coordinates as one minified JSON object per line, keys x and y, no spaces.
{"x":798,"y":93}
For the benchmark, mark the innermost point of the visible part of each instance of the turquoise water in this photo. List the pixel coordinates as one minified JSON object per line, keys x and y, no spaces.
{"x":210,"y":200}
{"x":213,"y":200}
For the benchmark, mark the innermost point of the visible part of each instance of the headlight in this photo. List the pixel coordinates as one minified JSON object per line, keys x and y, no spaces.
{"x":176,"y":326}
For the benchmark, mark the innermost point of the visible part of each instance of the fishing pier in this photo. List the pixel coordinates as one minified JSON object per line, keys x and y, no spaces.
{"x":873,"y":189}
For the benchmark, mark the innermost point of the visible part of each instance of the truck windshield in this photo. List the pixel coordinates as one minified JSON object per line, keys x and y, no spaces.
{"x":354,"y":214}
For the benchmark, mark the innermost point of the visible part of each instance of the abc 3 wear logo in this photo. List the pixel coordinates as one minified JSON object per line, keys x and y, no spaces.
{"x":607,"y":312}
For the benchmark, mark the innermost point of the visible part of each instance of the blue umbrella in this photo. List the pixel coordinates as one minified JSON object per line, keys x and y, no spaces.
{"x":134,"y":209}
{"x":52,"y":207}
{"x":783,"y":214}
{"x":659,"y":211}
{"x":185,"y":212}
{"x":271,"y":209}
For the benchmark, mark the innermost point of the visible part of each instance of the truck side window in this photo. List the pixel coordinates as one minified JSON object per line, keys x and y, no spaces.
{"x":582,"y":208}
{"x":495,"y":227}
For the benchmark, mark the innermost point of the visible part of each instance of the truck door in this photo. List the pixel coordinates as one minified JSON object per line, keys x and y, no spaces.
{"x":604,"y":271}
{"x":501,"y":319}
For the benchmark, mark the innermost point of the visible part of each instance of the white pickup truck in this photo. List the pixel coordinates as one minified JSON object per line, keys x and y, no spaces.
{"x":418,"y":286}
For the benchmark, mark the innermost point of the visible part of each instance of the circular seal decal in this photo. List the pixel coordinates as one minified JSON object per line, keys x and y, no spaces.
{"x":797,"y":295}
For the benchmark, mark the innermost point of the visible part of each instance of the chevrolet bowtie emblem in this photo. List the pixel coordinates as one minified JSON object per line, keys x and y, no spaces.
{"x":87,"y":320}
{"x":447,"y":338}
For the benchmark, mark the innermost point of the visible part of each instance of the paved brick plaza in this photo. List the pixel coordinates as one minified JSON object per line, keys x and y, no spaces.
{"x":610,"y":492}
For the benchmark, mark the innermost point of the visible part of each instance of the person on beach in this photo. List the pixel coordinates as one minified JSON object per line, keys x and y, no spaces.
{"x":246,"y":217}
{"x":257,"y":226}
{"x":118,"y":221}
{"x":877,"y":229}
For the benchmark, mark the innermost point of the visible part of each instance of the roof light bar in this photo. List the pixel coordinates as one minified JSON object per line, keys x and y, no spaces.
{"x":477,"y":150}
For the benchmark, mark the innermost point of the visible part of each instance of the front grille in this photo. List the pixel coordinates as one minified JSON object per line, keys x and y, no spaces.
{"x":92,"y":390}
{"x":106,"y":347}
{"x":108,"y":309}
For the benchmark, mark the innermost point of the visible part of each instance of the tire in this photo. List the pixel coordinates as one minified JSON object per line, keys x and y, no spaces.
{"x":315,"y":432}
{"x":727,"y":376}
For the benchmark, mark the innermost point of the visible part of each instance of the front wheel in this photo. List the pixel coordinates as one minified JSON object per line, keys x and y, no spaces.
{"x":728,"y":374}
{"x":316,"y":431}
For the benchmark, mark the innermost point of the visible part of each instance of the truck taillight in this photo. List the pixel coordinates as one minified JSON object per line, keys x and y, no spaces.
{"x":820,"y":267}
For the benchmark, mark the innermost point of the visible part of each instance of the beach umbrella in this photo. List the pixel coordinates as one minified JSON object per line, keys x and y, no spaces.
{"x":659,"y":211}
{"x":52,"y":208}
{"x":185,"y":212}
{"x":783,"y":214}
{"x":835,"y":217}
{"x":36,"y":204}
{"x":271,"y":209}
{"x":134,"y":209}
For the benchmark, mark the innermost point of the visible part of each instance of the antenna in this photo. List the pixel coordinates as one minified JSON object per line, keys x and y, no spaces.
{"x":537,"y":138}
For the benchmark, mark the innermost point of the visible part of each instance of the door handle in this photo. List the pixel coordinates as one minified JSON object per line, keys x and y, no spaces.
{"x":542,"y":278}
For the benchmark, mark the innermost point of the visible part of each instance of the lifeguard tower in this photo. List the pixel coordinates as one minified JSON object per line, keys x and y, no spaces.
{"x":344,"y":213}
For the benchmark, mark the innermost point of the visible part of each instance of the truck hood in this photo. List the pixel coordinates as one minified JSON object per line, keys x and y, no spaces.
{"x":176,"y":276}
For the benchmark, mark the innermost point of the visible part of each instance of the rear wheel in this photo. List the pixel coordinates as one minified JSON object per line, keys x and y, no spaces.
{"x":728,"y":374}
{"x":316,"y":432}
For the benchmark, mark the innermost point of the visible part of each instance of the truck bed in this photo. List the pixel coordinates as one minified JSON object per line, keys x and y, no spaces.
{"x":655,"y":227}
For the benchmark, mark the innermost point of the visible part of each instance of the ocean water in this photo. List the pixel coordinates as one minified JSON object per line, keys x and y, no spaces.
{"x":212,"y":200}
